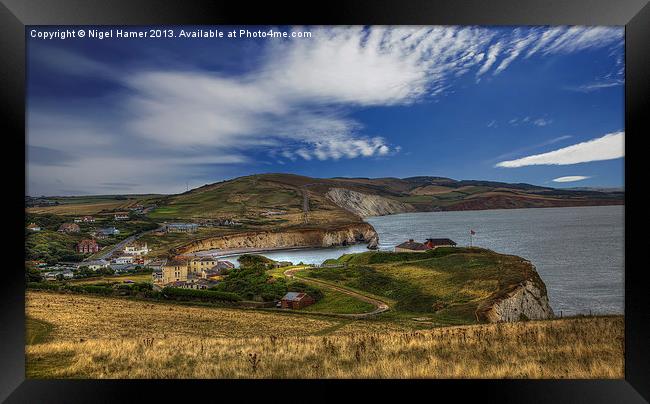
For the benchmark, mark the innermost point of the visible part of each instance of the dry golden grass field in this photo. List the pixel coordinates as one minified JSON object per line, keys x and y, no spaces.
{"x":91,"y":337}
{"x":91,"y":208}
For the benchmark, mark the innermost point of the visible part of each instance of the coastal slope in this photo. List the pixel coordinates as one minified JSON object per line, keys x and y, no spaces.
{"x":447,"y":285}
{"x":282,"y":199}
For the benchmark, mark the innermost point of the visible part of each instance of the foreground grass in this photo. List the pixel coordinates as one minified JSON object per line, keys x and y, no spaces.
{"x":76,"y":317}
{"x":566,"y":348}
{"x":37,"y":331}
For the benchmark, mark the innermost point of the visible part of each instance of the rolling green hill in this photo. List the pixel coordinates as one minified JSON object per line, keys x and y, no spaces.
{"x":277,"y":199}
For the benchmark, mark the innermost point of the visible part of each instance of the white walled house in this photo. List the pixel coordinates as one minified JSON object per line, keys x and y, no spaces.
{"x":136,"y":249}
{"x":124,"y":260}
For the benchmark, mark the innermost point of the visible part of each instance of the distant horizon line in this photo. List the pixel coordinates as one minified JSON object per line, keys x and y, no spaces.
{"x":596,"y":188}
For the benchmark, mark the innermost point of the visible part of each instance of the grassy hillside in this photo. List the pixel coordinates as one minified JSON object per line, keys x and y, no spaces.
{"x":247,"y":198}
{"x":116,"y":338}
{"x":261,"y":201}
{"x":447,"y":285}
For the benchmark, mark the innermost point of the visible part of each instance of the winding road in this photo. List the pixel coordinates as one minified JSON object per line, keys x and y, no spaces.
{"x":119,"y":246}
{"x":380,"y":306}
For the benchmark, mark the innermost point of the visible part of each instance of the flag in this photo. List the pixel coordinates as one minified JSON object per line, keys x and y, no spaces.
{"x":472,"y":232}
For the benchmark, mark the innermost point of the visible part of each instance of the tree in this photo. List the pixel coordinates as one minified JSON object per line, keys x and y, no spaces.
{"x":32,"y":274}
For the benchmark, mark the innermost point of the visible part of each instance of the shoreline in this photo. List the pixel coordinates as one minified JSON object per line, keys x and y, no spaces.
{"x":225,"y":253}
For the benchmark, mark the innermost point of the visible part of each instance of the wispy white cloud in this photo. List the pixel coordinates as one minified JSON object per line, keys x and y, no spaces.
{"x":571,"y":178}
{"x":492,"y":55}
{"x":608,"y":147}
{"x":527,"y":120}
{"x":597,"y":85}
{"x":542,"y":122}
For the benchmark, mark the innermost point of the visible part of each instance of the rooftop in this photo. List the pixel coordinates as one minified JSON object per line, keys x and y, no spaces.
{"x":441,"y":241}
{"x":293,"y":296}
{"x":412,"y":245}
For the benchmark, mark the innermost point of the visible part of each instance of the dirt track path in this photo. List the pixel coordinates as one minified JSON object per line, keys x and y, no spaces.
{"x":380,"y":306}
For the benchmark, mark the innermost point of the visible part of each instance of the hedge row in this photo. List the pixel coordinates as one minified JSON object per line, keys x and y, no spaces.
{"x":200,"y":294}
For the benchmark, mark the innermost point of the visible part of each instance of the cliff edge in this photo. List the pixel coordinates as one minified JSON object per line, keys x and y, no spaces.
{"x":286,"y":238}
{"x":366,"y":205}
{"x":527,"y":300}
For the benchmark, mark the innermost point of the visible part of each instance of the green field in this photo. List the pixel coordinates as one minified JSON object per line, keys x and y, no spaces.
{"x":334,"y":301}
{"x":446,"y":285}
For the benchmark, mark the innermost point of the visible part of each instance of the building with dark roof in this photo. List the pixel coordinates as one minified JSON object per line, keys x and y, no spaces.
{"x":439,"y":242}
{"x":429,"y":244}
{"x":411,"y":246}
{"x":296,"y":300}
{"x":181,"y":227}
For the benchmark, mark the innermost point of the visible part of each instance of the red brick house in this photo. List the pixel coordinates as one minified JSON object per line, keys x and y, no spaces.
{"x":87,"y":246}
{"x":296,"y":300}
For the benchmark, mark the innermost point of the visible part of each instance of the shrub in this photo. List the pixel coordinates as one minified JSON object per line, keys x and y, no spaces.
{"x":252,"y":260}
{"x":42,"y":286}
{"x":94,"y":289}
{"x":253,"y":283}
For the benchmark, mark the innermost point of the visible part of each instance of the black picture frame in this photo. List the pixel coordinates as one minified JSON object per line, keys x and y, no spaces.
{"x":633,"y":14}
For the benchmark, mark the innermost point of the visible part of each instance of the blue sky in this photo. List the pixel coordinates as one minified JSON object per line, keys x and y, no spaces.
{"x":542,"y":105}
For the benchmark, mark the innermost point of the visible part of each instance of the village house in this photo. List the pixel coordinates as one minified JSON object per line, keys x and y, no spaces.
{"x":411,"y":246}
{"x":181,"y":227}
{"x":174,"y":270}
{"x":120,"y":268}
{"x":136,"y":249}
{"x":54,"y":275}
{"x":88,"y":219}
{"x":296,"y":300}
{"x":197,"y":284}
{"x":108,"y":231}
{"x":69,"y":228}
{"x":429,"y":244}
{"x":94,"y":265}
{"x":214,"y":274}
{"x":124,"y":260}
{"x":199,"y":264}
{"x":156,"y":265}
{"x":37,"y":264}
{"x":33,"y":227}
{"x":432,"y":243}
{"x":78,"y":220}
{"x":121,"y":216}
{"x":87,"y":246}
{"x":157,"y":276}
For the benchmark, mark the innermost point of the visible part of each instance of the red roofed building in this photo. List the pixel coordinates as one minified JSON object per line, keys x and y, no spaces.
{"x":296,"y":300}
{"x":87,"y":246}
